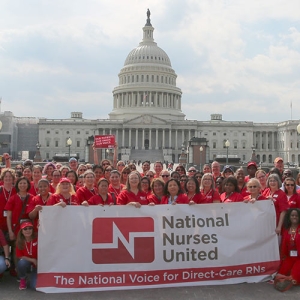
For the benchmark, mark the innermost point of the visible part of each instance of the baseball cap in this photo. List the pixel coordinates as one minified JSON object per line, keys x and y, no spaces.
{"x":26,"y":224}
{"x":227,"y":167}
{"x":252,"y":163}
{"x":72,"y":159}
{"x":65,"y":179}
{"x":277,"y":159}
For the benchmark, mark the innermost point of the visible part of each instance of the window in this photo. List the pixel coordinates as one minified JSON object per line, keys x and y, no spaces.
{"x":244,"y":145}
{"x":78,"y":143}
{"x":47,"y":143}
{"x":48,"y":131}
{"x":244,"y":157}
{"x":87,"y":132}
{"x":56,"y":143}
{"x":244,"y":133}
{"x":56,"y":131}
{"x":214,"y":133}
{"x":78,"y":132}
{"x":67,"y":132}
{"x":214,"y":145}
{"x":142,"y":79}
{"x":47,"y":155}
{"x":224,"y":133}
{"x":235,"y":145}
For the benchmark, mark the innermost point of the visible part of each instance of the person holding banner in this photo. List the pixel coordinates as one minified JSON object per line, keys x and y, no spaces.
{"x":115,"y":187}
{"x":289,"y":270}
{"x":26,"y":251}
{"x":87,"y":191}
{"x":254,"y":190}
{"x":193,"y":191}
{"x":232,"y":191}
{"x":133,"y":193}
{"x":65,"y":194}
{"x":103,"y":197}
{"x":157,"y":187}
{"x":173,"y":194}
{"x":208,"y":191}
{"x":279,"y":198}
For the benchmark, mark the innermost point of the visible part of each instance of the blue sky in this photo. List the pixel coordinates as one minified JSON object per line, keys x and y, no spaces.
{"x":238,"y":58}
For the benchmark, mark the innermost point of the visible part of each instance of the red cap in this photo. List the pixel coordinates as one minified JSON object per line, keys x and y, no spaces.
{"x":26,"y":224}
{"x":252,"y":163}
{"x":65,"y":179}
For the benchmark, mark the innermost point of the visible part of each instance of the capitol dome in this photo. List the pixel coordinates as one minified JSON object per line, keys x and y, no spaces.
{"x":147,"y":83}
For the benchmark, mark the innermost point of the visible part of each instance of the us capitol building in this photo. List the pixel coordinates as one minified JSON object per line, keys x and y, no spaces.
{"x":148,"y":123}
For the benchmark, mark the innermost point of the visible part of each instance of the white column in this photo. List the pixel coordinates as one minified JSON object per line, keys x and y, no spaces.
{"x":117,"y":136}
{"x":170,"y":138}
{"x":144,"y":99}
{"x":267,"y":141}
{"x":103,"y":131}
{"x":182,"y":135}
{"x":163,"y":139}
{"x":143,"y":139}
{"x":189,"y":134}
{"x":156,"y":95}
{"x":132,"y":100}
{"x":123,"y":137}
{"x":176,"y":139}
{"x":156,"y":140}
{"x":150,"y":137}
{"x":110,"y":131}
{"x":150,"y":99}
{"x":129,"y":144}
{"x":136,"y":139}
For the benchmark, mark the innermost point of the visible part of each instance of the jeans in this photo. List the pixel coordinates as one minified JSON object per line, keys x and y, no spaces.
{"x":24,"y":267}
{"x":2,"y":264}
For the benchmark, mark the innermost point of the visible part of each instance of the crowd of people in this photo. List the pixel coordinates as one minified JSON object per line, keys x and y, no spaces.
{"x":26,"y":188}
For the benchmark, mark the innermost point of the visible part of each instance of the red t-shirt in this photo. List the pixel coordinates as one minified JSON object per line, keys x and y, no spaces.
{"x":111,"y":189}
{"x":197,"y":198}
{"x":244,"y":191}
{"x":210,"y":196}
{"x":15,"y":205}
{"x":4,"y":196}
{"x":294,"y":201}
{"x":57,"y":198}
{"x":84,"y":194}
{"x":154,"y":199}
{"x":234,"y":197}
{"x":280,"y":201}
{"x":30,"y":249}
{"x":260,"y":197}
{"x":181,"y":199}
{"x":126,"y":197}
{"x":97,"y":200}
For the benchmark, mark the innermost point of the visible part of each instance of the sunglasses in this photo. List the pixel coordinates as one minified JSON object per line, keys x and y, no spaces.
{"x":150,"y":176}
{"x":288,"y":184}
{"x":27,"y":228}
{"x":126,"y":173}
{"x":252,"y":186}
{"x":192,"y":171}
{"x":198,"y":177}
{"x":82,"y":170}
{"x":165,"y":175}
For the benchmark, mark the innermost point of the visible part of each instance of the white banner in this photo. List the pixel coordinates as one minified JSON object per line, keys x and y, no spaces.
{"x":122,"y":247}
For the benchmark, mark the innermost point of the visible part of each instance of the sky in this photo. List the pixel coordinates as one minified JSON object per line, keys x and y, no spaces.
{"x":239,"y":58}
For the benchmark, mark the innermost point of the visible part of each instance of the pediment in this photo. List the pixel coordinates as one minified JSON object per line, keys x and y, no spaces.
{"x":146,"y":119}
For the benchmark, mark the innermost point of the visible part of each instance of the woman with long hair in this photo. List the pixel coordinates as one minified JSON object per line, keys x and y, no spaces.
{"x":173,"y":194}
{"x":98,"y":171}
{"x":36,"y":177}
{"x":290,"y":191}
{"x":157,"y":188}
{"x":64,"y":170}
{"x":133,"y":194}
{"x":279,"y":198}
{"x":103,"y":197}
{"x":150,"y":175}
{"x":115,"y":187}
{"x":64,"y":195}
{"x":73,"y":177}
{"x":124,"y":175}
{"x":26,"y":251}
{"x":208,"y":191}
{"x":254,"y":191}
{"x":48,"y":169}
{"x":81,"y":169}
{"x":107,"y":171}
{"x":183,"y":179}
{"x":120,"y":166}
{"x":231,"y":191}
{"x":88,"y":189}
{"x":27,"y":172}
{"x":181,"y":170}
{"x":145,"y":184}
{"x":289,"y":270}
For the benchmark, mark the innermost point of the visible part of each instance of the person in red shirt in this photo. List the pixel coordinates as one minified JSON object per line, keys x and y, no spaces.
{"x":26,"y":251}
{"x":261,"y":175}
{"x":157,"y":188}
{"x":181,"y":170}
{"x":208,"y":191}
{"x":120,"y":166}
{"x":145,"y":184}
{"x":232,"y":192}
{"x":158,"y":167}
{"x":115,"y":186}
{"x":36,"y":177}
{"x":216,"y":170}
{"x":279,"y":198}
{"x":173,"y":194}
{"x":165,"y":175}
{"x":124,"y":175}
{"x":240,"y":176}
{"x":251,"y":169}
{"x":289,"y":185}
{"x":289,"y":271}
{"x":65,"y":194}
{"x":133,"y":194}
{"x":98,"y":171}
{"x":254,"y":192}
{"x":40,"y":200}
{"x":47,"y":171}
{"x":56,"y":177}
{"x":145,"y":168}
{"x":193,"y":191}
{"x":16,"y":207}
{"x":87,"y":191}
{"x":103,"y":197}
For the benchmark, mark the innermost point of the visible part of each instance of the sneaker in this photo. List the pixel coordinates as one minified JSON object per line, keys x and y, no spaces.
{"x":283,"y":286}
{"x":13,"y":272}
{"x":22,"y":285}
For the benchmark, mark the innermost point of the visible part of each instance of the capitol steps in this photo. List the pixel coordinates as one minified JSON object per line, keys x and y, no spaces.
{"x":151,"y":155}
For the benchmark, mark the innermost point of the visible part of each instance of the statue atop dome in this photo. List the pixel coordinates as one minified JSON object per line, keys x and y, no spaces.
{"x":148,"y":21}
